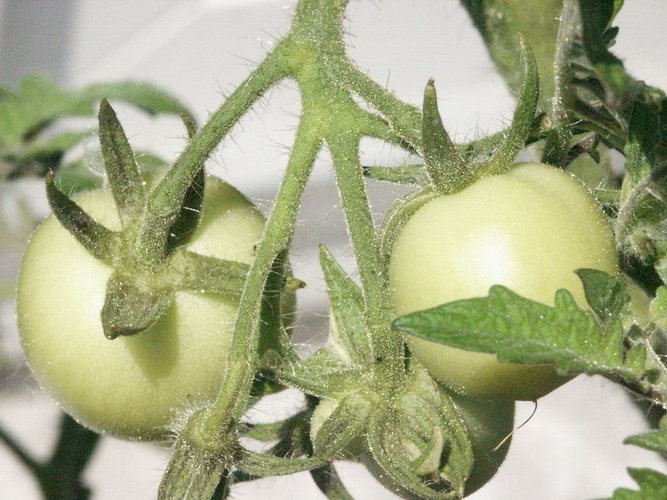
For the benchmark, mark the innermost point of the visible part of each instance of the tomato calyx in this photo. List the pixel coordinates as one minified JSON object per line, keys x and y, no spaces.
{"x":448,"y":170}
{"x":147,"y":254}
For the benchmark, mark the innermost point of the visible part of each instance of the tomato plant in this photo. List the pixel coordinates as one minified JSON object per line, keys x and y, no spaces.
{"x":132,"y":386}
{"x":528,"y":229}
{"x":157,"y":311}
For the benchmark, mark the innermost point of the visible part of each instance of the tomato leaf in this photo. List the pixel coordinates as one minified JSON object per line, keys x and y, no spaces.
{"x":523,"y":331}
{"x":26,"y":117}
{"x":643,"y":136}
{"x":144,"y":96}
{"x":606,"y":294}
{"x":34,"y":106}
{"x":61,"y":476}
{"x":652,"y":440}
{"x":50,"y":151}
{"x":652,"y":486}
{"x":83,"y":174}
{"x":349,"y":337}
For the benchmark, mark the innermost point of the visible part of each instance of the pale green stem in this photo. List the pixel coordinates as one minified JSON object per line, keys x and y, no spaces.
{"x":232,"y":401}
{"x":404,"y":118}
{"x":387,"y":346}
{"x":162,"y":208}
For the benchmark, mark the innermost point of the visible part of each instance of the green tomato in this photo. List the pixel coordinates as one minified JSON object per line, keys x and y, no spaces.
{"x":529,"y":230}
{"x":488,"y":423}
{"x":131,"y":387}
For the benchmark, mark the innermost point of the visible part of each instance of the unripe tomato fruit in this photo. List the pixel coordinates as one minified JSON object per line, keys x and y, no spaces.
{"x":489,"y":423}
{"x":528,"y":229}
{"x":130,"y":387}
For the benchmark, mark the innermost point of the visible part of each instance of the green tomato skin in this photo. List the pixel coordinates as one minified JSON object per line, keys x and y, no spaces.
{"x":130,"y":387}
{"x":488,"y":423}
{"x":529,"y":230}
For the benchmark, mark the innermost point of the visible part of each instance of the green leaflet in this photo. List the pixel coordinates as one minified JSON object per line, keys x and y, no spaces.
{"x":606,"y":294}
{"x":653,"y":440}
{"x":349,"y":337}
{"x":27,"y":114}
{"x":652,"y":486}
{"x":523,"y":331}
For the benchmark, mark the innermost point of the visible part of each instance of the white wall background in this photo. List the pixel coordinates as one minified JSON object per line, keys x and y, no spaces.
{"x":200,"y":49}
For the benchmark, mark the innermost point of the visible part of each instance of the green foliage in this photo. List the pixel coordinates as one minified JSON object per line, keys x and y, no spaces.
{"x":30,"y":145}
{"x":652,"y":486}
{"x":653,"y":440}
{"x":519,"y":330}
{"x":413,"y":429}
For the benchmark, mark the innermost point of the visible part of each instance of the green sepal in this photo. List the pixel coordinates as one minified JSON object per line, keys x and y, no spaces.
{"x":99,"y":241}
{"x":523,"y":119}
{"x":421,"y":441}
{"x":347,"y":309}
{"x":195,"y":272}
{"x":282,"y":430}
{"x":172,"y":212}
{"x":274,"y":339}
{"x":658,"y":308}
{"x":433,"y":423}
{"x":447,"y":169}
{"x":606,"y":294}
{"x":125,"y":179}
{"x":323,"y":374}
{"x":133,"y":303}
{"x":187,"y":221}
{"x":347,"y":422}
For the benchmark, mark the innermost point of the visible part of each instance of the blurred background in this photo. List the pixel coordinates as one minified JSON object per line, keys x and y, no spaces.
{"x":199,"y":50}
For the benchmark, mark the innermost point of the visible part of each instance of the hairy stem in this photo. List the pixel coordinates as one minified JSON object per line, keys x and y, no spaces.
{"x":386,"y":345}
{"x":161,"y":209}
{"x":233,"y":399}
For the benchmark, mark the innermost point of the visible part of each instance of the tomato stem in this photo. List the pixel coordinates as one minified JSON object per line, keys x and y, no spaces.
{"x":165,"y":201}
